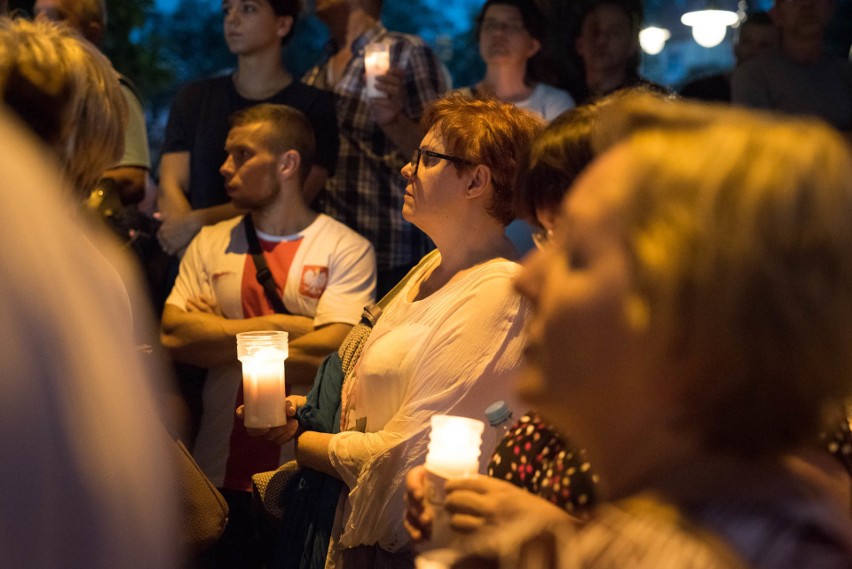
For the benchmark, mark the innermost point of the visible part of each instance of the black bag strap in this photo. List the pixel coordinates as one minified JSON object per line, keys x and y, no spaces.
{"x":264,"y":275}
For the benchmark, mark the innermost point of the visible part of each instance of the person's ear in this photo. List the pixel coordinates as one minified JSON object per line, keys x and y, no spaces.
{"x":288,"y":165}
{"x":285,"y":26}
{"x":480,"y":181}
{"x":535,"y":47}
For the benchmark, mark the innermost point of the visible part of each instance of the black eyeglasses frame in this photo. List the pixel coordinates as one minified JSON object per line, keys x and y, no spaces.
{"x":419,"y":152}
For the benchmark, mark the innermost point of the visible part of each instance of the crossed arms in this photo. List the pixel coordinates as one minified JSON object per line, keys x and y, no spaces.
{"x":201,"y":336}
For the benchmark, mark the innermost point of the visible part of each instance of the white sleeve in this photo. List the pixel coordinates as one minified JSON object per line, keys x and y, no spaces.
{"x":464,"y":366}
{"x":192,"y":276}
{"x":352,"y":284}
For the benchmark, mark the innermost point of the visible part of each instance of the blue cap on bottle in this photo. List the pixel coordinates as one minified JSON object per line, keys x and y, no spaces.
{"x":498,"y":412}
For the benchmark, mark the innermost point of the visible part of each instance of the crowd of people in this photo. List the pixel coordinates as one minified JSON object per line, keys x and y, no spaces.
{"x":676,"y":341}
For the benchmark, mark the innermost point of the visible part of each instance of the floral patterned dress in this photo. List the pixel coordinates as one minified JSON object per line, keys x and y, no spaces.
{"x":536,"y":458}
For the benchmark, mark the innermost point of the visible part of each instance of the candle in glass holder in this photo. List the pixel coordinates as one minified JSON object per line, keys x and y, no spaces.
{"x":454,"y":447}
{"x":376,"y":62}
{"x":262,"y":355}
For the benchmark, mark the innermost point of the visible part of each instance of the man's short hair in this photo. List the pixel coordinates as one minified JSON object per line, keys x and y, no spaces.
{"x":285,"y":128}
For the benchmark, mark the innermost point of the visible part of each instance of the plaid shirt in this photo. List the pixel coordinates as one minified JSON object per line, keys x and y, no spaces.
{"x":366,"y":192}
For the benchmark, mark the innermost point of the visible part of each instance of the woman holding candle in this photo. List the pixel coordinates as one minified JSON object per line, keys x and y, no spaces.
{"x":448,"y":342}
{"x":691,"y":327}
{"x":533,"y":456}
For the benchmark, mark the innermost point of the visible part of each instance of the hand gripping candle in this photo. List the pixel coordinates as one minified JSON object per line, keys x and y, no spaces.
{"x":454,"y":448}
{"x":262,"y":355}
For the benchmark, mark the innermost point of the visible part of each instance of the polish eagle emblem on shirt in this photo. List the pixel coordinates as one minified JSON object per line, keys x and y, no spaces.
{"x":314,"y":279}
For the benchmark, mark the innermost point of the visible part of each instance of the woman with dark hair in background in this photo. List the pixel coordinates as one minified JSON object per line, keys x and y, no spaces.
{"x":510,"y":34}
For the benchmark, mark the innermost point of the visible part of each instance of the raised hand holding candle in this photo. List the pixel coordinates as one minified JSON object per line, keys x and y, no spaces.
{"x":454,"y":447}
{"x":262,"y":355}
{"x":376,"y":62}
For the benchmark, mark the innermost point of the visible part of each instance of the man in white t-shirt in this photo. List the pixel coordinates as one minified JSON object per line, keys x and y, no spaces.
{"x":324,"y":272}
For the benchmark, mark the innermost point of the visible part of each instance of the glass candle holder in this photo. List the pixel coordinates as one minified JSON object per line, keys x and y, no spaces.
{"x":262,"y":355}
{"x":454,"y":448}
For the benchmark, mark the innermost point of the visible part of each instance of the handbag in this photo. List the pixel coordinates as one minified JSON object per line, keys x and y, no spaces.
{"x":204,"y":510}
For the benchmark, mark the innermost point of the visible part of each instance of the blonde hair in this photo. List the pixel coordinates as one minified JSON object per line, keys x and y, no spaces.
{"x":739,"y":229}
{"x":43,"y":61}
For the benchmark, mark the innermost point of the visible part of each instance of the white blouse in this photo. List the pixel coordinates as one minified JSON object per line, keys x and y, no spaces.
{"x":453,"y":352}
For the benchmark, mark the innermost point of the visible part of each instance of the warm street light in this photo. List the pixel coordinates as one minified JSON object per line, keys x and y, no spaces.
{"x":709,"y":26}
{"x":652,"y":39}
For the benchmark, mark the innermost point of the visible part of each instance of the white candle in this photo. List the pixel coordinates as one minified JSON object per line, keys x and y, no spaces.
{"x":454,"y":447}
{"x":376,"y":62}
{"x":262,"y":355}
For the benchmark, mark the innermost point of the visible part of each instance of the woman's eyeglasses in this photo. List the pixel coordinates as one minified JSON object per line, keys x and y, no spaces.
{"x":419,"y":152}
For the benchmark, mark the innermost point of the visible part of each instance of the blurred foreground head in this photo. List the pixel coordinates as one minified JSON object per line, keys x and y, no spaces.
{"x":700,"y":283}
{"x":67,"y":92}
{"x":738,"y":234}
{"x":87,"y":477}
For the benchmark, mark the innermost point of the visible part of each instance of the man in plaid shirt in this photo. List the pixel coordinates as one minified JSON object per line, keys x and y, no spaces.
{"x":377,"y":135}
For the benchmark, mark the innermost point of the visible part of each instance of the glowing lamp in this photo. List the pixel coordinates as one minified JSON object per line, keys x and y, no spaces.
{"x":709,"y":26}
{"x":653,"y":39}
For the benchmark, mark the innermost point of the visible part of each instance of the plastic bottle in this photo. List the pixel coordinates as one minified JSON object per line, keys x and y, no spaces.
{"x":500,"y":418}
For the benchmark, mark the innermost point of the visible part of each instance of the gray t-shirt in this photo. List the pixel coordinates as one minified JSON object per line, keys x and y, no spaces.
{"x":136,"y":151}
{"x":776,"y":82}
